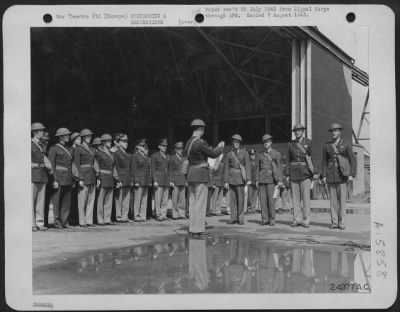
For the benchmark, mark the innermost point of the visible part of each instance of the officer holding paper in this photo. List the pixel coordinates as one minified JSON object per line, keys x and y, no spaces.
{"x":300,"y":170}
{"x":338,"y":167}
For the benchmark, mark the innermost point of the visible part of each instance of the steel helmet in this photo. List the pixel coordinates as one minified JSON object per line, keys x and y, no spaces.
{"x":106,"y":137}
{"x":62,"y":131}
{"x":237,"y":137}
{"x":86,"y":132}
{"x":298,"y":126}
{"x":37,"y":126}
{"x":197,"y":123}
{"x":96,"y":141}
{"x":74,"y":136}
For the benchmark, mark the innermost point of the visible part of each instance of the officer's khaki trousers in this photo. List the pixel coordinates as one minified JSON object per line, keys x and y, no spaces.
{"x":252,"y":198}
{"x":124,"y":201}
{"x":338,"y":202}
{"x":236,"y":194}
{"x":86,"y":197}
{"x":161,"y":201}
{"x":267,"y":201}
{"x":140,"y":202}
{"x":61,"y":200}
{"x":198,"y":193}
{"x":216,"y":199}
{"x":104,"y":205}
{"x":178,"y":201}
{"x":38,"y":196}
{"x":117,"y":202}
{"x":301,"y":200}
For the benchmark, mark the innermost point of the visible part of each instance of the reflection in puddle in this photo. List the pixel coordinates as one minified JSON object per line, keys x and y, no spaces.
{"x":215,"y":265}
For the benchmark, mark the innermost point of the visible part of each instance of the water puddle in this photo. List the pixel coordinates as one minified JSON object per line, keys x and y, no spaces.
{"x":213,"y":265}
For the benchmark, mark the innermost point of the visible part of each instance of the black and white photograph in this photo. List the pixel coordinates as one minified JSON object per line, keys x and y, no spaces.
{"x":171,"y":160}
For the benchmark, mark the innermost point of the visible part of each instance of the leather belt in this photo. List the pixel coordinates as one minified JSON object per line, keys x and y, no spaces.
{"x":202,"y":165}
{"x":36,"y":165}
{"x":105,"y":171}
{"x":302,"y":163}
{"x":86,"y":166}
{"x":62,"y":168}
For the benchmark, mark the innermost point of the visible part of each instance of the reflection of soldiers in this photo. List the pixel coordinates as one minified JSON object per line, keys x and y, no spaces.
{"x":198,"y":263}
{"x":302,"y":277}
{"x":341,"y":271}
{"x":269,"y":274}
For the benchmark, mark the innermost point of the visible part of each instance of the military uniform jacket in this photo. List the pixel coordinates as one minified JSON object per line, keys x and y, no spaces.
{"x":232,"y":173}
{"x":60,"y":157}
{"x":330,"y":168}
{"x":265,"y":171}
{"x":140,"y":169}
{"x":39,"y":172}
{"x":122,"y":165}
{"x":198,"y":165}
{"x":296,"y":163}
{"x":159,"y":168}
{"x":107,"y":171}
{"x":217,"y":176}
{"x":174,"y":170}
{"x":85,"y":164}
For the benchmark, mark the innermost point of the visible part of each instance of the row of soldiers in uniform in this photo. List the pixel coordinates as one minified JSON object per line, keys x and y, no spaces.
{"x":115,"y":172}
{"x":300,"y":171}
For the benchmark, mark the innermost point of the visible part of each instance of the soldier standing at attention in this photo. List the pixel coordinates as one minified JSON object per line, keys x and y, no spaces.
{"x":75,"y":140}
{"x":237,"y":173}
{"x":253,"y":190}
{"x":60,"y":157}
{"x":161,"y":183}
{"x":122,"y":165}
{"x":300,"y":171}
{"x":107,"y":175}
{"x":141,"y":176}
{"x":269,"y":174}
{"x":39,"y":177}
{"x":197,"y":150}
{"x":85,"y":163}
{"x":337,"y":172}
{"x":217,"y":177}
{"x":178,"y":183}
{"x":95,"y":145}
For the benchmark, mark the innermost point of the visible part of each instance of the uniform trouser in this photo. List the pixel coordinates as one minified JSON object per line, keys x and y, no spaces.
{"x":286,"y":199}
{"x":38,"y":195}
{"x":216,"y":199}
{"x":104,"y":205}
{"x":266,"y":193}
{"x":122,"y":208}
{"x":86,"y":196}
{"x":178,"y":201}
{"x":140,"y":202}
{"x":252,"y":197}
{"x":198,"y":193}
{"x":301,"y":200}
{"x":236,"y":201}
{"x":61,"y":200}
{"x":73,"y":215}
{"x":117,"y":204}
{"x":338,"y":202}
{"x":161,"y":201}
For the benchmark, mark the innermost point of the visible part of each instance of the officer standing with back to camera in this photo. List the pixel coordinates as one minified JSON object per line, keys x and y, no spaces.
{"x":122,"y":164}
{"x":60,"y":156}
{"x":237,"y":173}
{"x":84,"y":159}
{"x":300,"y":170}
{"x":338,"y":167}
{"x":141,"y":176}
{"x":39,"y":177}
{"x":197,"y":150}
{"x":161,"y":183}
{"x":269,"y":175}
{"x":178,"y":183}
{"x":107,"y":177}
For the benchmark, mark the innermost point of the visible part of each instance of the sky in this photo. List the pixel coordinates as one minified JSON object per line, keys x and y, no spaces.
{"x":354,"y":41}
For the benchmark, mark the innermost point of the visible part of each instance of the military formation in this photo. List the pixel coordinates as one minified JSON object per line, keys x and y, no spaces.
{"x":97,"y":181}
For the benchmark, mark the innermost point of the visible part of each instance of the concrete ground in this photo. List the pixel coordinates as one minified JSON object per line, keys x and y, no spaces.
{"x":55,"y":246}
